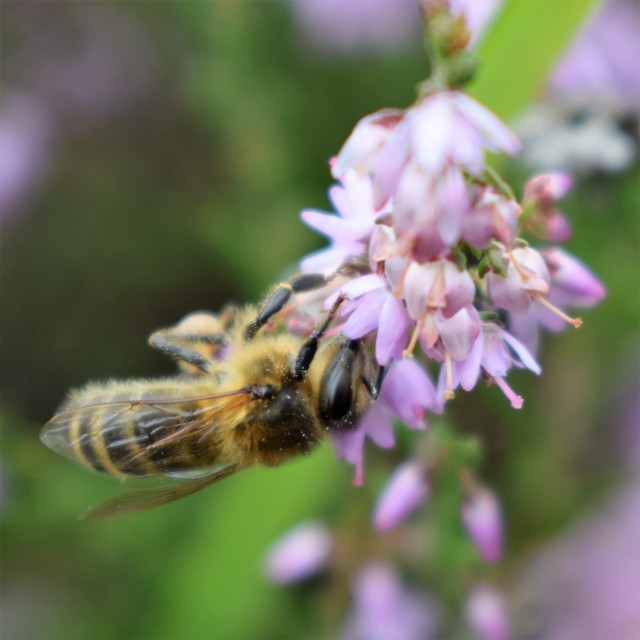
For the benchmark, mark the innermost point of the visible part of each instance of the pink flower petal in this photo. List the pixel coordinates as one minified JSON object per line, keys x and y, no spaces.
{"x":393,"y":330}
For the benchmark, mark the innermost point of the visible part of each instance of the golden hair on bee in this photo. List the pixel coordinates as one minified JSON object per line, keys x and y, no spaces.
{"x":247,"y":394}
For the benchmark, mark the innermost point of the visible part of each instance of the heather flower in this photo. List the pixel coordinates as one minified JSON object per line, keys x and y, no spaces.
{"x":301,"y":553}
{"x":350,"y":230}
{"x":367,"y":139}
{"x":385,"y":610}
{"x":486,"y":613}
{"x":444,"y":339}
{"x":572,"y":285}
{"x":492,"y":353}
{"x":444,"y":130}
{"x":406,"y":394}
{"x":482,"y":518}
{"x":492,"y":216}
{"x":405,"y":491}
{"x":439,"y":264}
{"x":429,"y":211}
{"x":373,"y":306}
{"x":419,"y":158}
{"x":436,"y":286}
{"x":541,"y":195}
{"x":527,"y":277}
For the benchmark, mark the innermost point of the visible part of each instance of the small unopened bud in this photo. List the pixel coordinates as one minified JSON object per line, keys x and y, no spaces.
{"x":482,"y":517}
{"x":299,"y":554}
{"x":406,"y":490}
{"x":487,"y":613}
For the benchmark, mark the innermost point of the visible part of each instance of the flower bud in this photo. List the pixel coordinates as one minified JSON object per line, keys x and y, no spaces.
{"x":299,"y":554}
{"x":482,"y":518}
{"x":405,"y":491}
{"x":384,"y":609}
{"x":486,"y":612}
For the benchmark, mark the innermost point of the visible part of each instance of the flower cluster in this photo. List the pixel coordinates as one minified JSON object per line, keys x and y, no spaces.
{"x":430,"y":264}
{"x":448,"y":271}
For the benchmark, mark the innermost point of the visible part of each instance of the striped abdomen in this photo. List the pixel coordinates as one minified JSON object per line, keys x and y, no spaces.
{"x":163,"y":431}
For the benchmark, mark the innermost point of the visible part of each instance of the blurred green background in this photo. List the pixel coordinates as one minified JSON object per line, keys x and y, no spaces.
{"x":180,"y":141}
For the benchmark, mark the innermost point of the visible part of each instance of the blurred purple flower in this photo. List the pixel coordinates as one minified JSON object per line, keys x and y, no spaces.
{"x":404,"y":492}
{"x":301,"y":553}
{"x":97,"y":63}
{"x":486,"y":612}
{"x":356,"y":25}
{"x":603,"y":59}
{"x":406,"y":394}
{"x":585,"y":583}
{"x":26,"y":136}
{"x":482,"y":517}
{"x":541,"y":194}
{"x":385,"y":610}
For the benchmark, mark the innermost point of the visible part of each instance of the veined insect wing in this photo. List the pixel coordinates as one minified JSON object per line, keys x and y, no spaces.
{"x":75,"y":428}
{"x":171,"y":489}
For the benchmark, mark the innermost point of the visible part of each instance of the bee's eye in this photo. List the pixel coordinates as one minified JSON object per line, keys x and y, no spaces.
{"x":263,"y":391}
{"x":336,"y":394}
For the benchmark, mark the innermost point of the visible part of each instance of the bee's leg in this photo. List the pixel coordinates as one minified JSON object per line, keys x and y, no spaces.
{"x":281,"y":295}
{"x":196,"y":340}
{"x":310,"y":346}
{"x":183,"y":347}
{"x":298,"y":284}
{"x":374,"y":387}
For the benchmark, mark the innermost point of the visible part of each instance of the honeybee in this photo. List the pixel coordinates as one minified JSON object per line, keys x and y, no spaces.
{"x":246,"y":395}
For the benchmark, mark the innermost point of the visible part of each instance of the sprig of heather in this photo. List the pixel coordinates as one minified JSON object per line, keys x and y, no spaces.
{"x":452,"y":281}
{"x":453,"y":288}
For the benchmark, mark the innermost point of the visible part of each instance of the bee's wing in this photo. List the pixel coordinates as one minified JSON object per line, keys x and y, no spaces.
{"x":123,"y":435}
{"x":140,"y":499}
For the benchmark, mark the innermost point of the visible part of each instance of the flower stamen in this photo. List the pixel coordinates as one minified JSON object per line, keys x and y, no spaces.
{"x":515,"y":400}
{"x":449,"y":393}
{"x":408,"y":351}
{"x":575,"y":322}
